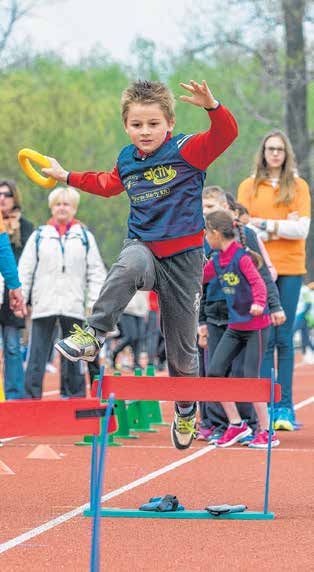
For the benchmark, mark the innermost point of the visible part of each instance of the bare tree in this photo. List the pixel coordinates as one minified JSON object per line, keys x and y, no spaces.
{"x":12,"y":12}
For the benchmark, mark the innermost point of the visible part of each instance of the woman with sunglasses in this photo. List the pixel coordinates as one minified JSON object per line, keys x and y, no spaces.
{"x":18,"y":229}
{"x":279,"y":204}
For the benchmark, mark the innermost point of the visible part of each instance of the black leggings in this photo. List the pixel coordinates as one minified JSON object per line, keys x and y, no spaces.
{"x":232,"y":342}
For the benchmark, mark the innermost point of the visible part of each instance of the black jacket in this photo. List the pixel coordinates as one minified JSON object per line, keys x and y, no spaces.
{"x":7,"y":318}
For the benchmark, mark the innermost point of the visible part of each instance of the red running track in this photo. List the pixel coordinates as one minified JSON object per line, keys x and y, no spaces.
{"x":42,"y":527}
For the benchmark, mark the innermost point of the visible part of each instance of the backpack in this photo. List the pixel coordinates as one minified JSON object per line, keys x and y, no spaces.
{"x":84,"y":239}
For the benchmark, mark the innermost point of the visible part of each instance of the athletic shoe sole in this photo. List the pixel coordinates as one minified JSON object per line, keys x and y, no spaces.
{"x":235,"y":439}
{"x":273,"y":444}
{"x":282,"y":425}
{"x":73,"y":358}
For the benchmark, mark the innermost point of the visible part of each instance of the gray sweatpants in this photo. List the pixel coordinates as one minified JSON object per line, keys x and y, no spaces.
{"x":178,"y":281}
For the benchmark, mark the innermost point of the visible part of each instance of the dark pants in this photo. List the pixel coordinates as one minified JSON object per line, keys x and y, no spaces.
{"x":212,"y":412}
{"x":72,"y":373}
{"x":281,"y":339}
{"x":133,"y":333}
{"x":178,"y":281}
{"x":152,"y":336}
{"x":253,"y":343}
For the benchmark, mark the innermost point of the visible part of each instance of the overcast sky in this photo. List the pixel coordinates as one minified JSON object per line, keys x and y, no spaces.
{"x":72,"y":27}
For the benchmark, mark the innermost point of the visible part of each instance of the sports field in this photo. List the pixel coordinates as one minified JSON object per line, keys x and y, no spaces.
{"x":42,"y":501}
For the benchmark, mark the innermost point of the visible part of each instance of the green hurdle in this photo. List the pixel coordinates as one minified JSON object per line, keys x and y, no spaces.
{"x":139,"y":413}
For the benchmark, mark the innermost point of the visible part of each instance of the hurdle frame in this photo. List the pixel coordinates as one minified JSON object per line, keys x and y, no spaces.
{"x":114,"y":385}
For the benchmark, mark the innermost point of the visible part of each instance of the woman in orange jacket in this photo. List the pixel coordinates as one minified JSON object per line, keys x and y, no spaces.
{"x":279,"y":204}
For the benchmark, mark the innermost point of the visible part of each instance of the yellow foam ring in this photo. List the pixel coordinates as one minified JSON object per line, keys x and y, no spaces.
{"x":24,"y":157}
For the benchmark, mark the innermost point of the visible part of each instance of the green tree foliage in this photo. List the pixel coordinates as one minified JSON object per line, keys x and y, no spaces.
{"x":73,"y":114}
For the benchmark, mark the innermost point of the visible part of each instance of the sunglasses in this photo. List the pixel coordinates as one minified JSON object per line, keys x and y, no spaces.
{"x":6,"y":194}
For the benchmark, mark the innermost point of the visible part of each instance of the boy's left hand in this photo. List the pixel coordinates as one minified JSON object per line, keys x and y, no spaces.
{"x":200,"y":95}
{"x":256,"y":310}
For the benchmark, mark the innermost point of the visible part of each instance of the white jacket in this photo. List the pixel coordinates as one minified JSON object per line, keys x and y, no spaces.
{"x":61,"y":275}
{"x":138,"y":305}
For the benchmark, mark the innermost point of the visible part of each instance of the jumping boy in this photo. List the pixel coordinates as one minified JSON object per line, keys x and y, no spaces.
{"x":164,"y":177}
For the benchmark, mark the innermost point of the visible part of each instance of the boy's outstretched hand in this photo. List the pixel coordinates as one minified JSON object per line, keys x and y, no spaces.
{"x":56,"y":171}
{"x":200,"y":95}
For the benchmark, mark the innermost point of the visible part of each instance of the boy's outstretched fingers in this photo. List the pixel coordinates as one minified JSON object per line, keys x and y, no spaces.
{"x":200,"y":94}
{"x":56,"y":170}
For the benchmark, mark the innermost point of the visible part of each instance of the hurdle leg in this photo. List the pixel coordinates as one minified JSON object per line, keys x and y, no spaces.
{"x":95,"y":552}
{"x":270,"y":430}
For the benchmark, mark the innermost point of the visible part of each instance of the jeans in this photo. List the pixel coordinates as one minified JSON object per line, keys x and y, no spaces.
{"x":13,"y":364}
{"x":281,"y":339}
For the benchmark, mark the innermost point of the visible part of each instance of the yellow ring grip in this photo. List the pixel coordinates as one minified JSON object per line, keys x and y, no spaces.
{"x":24,"y":157}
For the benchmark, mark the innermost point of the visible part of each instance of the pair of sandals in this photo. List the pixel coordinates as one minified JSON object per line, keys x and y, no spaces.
{"x":170,"y":503}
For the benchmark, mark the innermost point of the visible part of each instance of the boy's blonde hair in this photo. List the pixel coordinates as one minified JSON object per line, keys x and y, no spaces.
{"x":148,"y":92}
{"x":67,"y":194}
{"x":215,"y":192}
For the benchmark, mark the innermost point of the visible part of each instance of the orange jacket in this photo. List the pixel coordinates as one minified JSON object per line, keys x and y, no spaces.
{"x":287,"y":255}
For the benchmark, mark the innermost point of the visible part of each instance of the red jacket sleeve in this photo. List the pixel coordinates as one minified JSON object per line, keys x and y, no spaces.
{"x":103,"y":184}
{"x":202,"y":149}
{"x":208,"y":272}
{"x":259,"y":291}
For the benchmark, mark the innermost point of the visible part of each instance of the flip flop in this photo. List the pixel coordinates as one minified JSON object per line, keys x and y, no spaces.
{"x":168,"y":503}
{"x":225,"y":509}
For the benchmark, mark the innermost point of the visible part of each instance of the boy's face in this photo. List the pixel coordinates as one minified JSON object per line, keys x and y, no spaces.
{"x":147,"y":126}
{"x":211,"y":204}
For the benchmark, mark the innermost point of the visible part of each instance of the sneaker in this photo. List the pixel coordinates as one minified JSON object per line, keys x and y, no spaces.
{"x":82,"y":344}
{"x":183,"y":428}
{"x":245,"y":441}
{"x":233,"y":434}
{"x":284,"y":420}
{"x":261,"y":441}
{"x":215,"y":436}
{"x":204,"y":433}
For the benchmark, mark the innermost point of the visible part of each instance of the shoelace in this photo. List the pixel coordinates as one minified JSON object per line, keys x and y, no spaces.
{"x":82,"y":337}
{"x":185,"y":426}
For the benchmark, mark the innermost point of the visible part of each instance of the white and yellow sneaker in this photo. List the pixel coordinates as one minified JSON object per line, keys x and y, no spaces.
{"x":82,"y":344}
{"x":183,"y":428}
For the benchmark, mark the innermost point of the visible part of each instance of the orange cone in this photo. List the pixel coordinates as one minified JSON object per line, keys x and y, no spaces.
{"x":43,"y":452}
{"x":5,"y":470}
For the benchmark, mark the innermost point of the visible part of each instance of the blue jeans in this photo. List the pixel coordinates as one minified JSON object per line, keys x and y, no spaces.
{"x":281,"y":339}
{"x":13,"y":365}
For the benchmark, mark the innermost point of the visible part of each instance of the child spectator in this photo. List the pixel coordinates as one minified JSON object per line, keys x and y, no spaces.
{"x":305,"y":321}
{"x":214,"y":318}
{"x":248,"y":320}
{"x":163,"y":177}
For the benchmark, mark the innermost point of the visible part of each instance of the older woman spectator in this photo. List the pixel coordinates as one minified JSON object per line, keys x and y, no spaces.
{"x":61,"y":272}
{"x":279,"y":204}
{"x":18,"y":229}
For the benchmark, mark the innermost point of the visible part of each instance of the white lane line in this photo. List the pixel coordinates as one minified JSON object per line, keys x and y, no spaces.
{"x":79,"y":510}
{"x":304,"y":403}
{"x":69,"y":515}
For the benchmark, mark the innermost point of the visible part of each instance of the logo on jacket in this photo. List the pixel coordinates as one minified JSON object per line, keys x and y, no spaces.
{"x":231,"y":278}
{"x":160,"y":175}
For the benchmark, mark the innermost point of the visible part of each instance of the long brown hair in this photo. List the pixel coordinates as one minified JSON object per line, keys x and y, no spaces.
{"x":288,"y":169}
{"x":14,"y":190}
{"x":224,"y":223}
